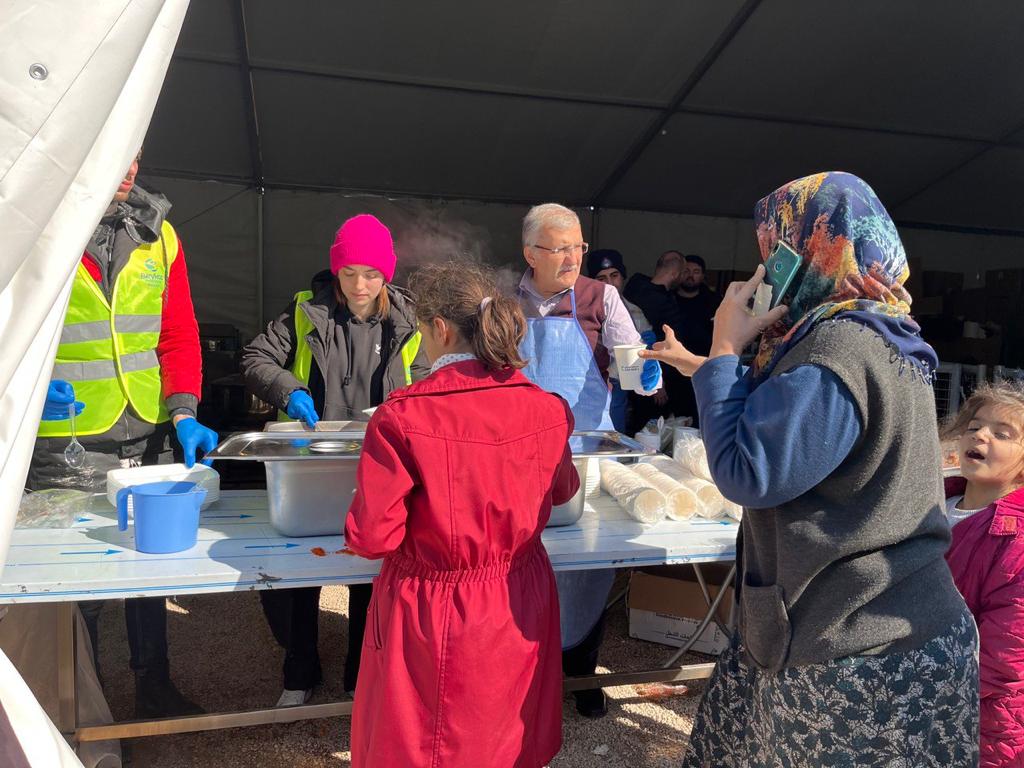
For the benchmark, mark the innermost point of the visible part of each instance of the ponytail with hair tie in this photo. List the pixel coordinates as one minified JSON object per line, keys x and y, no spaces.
{"x":450,"y":290}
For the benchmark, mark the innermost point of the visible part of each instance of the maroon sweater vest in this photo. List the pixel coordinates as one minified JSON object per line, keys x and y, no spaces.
{"x":590,"y":315}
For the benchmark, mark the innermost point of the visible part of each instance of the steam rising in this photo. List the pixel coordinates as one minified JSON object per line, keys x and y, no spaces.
{"x":428,"y":233}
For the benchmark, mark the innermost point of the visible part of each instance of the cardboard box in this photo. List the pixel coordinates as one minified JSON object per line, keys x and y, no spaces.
{"x":929,"y":305}
{"x":939,"y":283}
{"x":666,"y":606}
{"x":1005,"y":282}
{"x":970,"y":304}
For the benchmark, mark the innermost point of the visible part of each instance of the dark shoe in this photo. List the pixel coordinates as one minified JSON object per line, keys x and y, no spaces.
{"x":351,"y":676}
{"x":592,"y":703}
{"x":158,"y":697}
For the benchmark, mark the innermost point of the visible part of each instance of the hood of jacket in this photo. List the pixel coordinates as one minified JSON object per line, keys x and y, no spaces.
{"x":143,"y":213}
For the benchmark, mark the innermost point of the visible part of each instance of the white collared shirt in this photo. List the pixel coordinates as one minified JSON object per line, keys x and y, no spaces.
{"x":455,"y":357}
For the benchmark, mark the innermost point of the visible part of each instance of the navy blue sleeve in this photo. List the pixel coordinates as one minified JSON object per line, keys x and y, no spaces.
{"x":769,"y":445}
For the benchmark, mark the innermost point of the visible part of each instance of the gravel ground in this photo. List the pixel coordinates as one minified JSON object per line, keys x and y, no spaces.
{"x":224,"y":658}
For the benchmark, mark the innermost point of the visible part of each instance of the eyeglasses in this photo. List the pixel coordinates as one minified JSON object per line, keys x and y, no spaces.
{"x":565,"y":250}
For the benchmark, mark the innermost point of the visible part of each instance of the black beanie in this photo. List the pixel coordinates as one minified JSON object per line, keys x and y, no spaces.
{"x":605,"y":258}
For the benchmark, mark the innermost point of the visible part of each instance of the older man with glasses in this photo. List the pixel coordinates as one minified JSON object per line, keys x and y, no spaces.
{"x":573,"y":323}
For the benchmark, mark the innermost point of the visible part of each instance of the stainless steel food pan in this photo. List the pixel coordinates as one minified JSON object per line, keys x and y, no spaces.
{"x":311,"y":474}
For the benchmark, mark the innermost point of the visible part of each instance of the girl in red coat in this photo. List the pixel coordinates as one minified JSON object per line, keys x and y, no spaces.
{"x":461,"y":662}
{"x":986,"y":509}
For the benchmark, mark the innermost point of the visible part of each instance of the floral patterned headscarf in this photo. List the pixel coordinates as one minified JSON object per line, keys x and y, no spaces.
{"x":853,"y":260}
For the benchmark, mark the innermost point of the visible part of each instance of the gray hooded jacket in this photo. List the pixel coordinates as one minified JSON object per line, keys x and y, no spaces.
{"x":355,"y":365}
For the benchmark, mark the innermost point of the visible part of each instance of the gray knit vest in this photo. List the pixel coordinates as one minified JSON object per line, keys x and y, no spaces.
{"x":854,"y":566}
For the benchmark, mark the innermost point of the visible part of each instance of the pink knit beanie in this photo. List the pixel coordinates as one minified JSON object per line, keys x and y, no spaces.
{"x":365,"y":241}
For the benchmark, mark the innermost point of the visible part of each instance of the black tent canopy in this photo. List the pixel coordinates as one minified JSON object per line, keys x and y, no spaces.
{"x":693,"y":108}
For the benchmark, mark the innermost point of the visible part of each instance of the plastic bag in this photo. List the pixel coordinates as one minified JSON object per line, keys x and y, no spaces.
{"x":641,"y":500}
{"x":688,"y":450}
{"x":713,"y":504}
{"x":52,"y":508}
{"x":682,"y":502}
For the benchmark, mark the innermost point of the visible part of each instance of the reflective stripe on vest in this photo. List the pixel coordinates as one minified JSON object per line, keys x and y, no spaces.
{"x":107,"y":349}
{"x":304,"y":355}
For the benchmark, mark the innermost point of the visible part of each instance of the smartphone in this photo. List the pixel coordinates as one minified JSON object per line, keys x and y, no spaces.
{"x":781,"y":269}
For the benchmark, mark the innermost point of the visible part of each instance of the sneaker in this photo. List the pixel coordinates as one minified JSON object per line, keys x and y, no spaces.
{"x":290,"y":698}
{"x":592,"y":704}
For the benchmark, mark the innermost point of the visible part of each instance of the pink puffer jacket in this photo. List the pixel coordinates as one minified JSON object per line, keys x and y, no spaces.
{"x":987,"y":561}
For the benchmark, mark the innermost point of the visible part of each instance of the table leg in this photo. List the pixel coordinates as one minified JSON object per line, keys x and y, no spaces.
{"x":726,"y":628}
{"x":704,"y":624}
{"x":67,"y":693}
{"x":620,"y":596}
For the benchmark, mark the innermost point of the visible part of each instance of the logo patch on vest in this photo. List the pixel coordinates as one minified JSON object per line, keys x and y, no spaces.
{"x":153,"y":274}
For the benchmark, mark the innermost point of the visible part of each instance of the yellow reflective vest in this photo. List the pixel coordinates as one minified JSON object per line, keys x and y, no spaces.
{"x":108,"y":348}
{"x":303,"y":358}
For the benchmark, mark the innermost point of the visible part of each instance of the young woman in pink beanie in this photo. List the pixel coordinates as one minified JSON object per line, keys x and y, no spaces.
{"x":339,"y":348}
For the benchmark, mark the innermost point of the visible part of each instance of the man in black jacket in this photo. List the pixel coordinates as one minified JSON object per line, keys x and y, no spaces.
{"x":697,"y":306}
{"x":656,"y":296}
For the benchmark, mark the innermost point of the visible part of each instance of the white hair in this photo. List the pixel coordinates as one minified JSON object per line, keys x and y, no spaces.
{"x":546,"y":215}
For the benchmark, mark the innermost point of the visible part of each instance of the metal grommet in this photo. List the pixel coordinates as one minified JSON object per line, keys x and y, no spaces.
{"x":38,"y":72}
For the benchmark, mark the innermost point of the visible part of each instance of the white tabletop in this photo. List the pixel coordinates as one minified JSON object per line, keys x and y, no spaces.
{"x":238,"y":550}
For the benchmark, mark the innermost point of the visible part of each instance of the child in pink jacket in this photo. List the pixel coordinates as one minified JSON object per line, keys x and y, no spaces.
{"x":986,"y":511}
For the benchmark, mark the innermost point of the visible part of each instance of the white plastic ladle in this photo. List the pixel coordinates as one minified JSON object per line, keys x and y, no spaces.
{"x":74,"y":454}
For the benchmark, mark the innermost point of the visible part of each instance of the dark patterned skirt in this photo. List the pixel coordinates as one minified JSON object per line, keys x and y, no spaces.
{"x":902,"y":710}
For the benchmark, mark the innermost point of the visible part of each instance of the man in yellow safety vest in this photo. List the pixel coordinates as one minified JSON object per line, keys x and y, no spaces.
{"x":129,"y":364}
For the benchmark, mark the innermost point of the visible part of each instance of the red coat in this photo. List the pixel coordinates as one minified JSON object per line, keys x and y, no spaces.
{"x":461,"y":664}
{"x":987,"y":561}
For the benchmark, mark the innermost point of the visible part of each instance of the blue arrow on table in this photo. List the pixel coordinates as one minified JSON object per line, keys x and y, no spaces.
{"x":289,"y":545}
{"x":221,"y":517}
{"x":97,"y":552}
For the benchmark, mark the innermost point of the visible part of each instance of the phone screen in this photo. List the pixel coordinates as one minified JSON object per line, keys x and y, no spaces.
{"x":780,"y":270}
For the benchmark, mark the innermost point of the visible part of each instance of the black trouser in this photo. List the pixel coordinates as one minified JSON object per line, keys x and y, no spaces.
{"x":582,"y":659}
{"x":146,"y":621}
{"x":294,"y":619}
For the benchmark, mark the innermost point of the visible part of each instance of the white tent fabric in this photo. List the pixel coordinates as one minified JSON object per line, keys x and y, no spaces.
{"x":39,"y":742}
{"x":78,"y":83}
{"x":65,"y":142}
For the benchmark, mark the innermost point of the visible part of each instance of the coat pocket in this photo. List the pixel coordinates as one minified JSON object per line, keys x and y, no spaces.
{"x":766,"y":632}
{"x":374,"y":637}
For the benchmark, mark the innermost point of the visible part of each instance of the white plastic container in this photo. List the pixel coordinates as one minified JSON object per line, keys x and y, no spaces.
{"x":200,"y":474}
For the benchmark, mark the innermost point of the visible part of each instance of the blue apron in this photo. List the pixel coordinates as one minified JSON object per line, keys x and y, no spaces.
{"x":560,"y":360}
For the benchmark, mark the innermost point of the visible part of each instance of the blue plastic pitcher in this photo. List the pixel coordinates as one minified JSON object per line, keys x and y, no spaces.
{"x":166,"y":515}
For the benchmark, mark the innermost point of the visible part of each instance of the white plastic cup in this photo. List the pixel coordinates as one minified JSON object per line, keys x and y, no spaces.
{"x":630,"y":365}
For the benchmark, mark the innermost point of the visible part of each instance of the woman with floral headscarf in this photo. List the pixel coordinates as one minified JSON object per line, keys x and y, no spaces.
{"x":853,"y":646}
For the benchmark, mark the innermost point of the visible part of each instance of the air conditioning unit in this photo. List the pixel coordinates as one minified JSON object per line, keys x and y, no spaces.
{"x":1002,"y":373}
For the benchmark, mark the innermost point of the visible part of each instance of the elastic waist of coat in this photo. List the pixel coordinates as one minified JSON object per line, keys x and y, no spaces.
{"x":404,"y":565}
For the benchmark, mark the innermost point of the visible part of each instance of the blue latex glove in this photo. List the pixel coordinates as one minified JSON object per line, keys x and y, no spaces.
{"x":648,"y":338}
{"x":300,"y":407}
{"x":59,"y":395}
{"x":649,"y":375}
{"x":193,"y":435}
